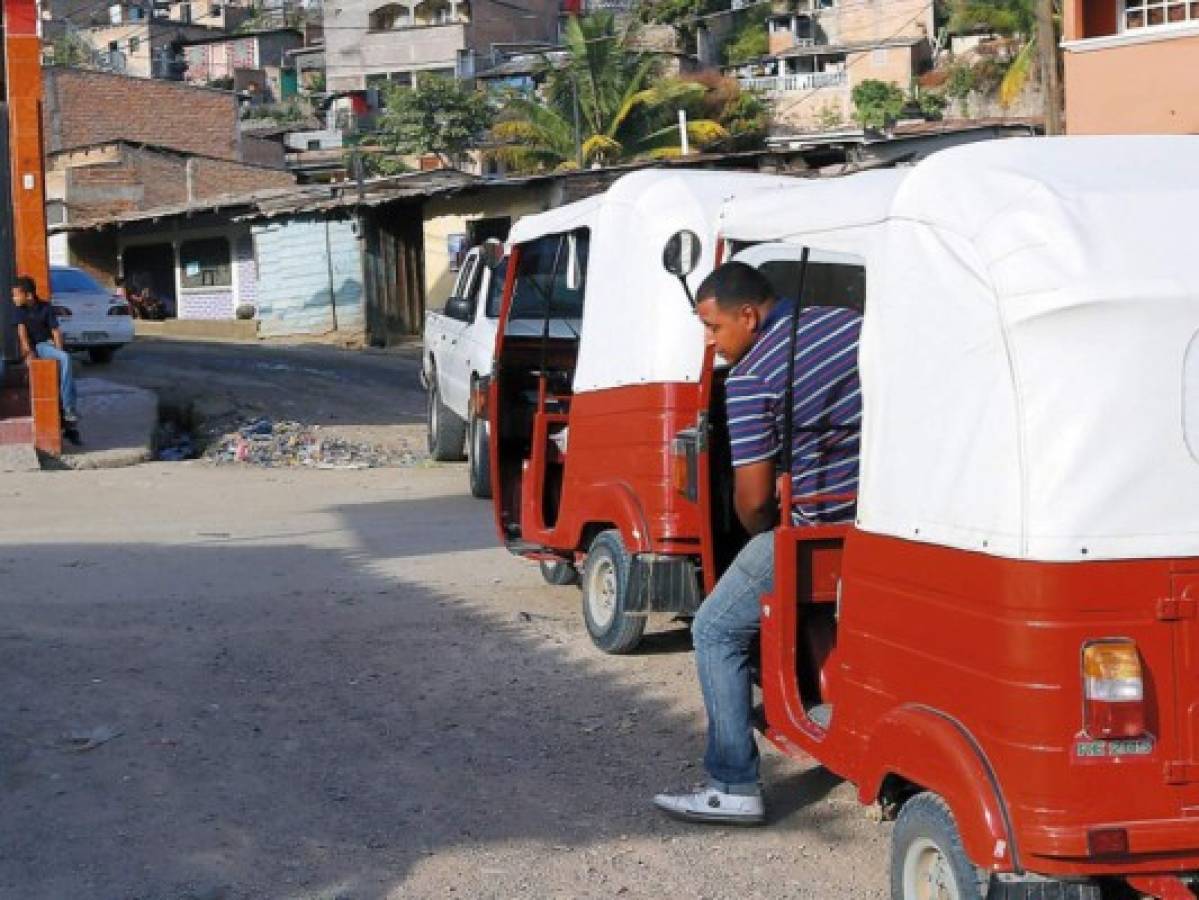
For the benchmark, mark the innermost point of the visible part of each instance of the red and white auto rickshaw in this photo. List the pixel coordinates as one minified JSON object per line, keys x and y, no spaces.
{"x":1004,"y":648}
{"x":582,"y":424}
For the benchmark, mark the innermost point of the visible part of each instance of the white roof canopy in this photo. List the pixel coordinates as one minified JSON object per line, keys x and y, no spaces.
{"x":1030,"y":357}
{"x":638,"y":326}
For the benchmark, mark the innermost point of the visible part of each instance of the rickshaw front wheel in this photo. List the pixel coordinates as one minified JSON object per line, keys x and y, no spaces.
{"x":927,"y":858}
{"x":606,"y":594}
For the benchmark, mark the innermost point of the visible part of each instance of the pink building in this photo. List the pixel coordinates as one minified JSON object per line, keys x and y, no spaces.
{"x":1131,"y":66}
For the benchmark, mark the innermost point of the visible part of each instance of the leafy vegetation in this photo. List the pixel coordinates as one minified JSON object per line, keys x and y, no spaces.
{"x":680,"y":15}
{"x":1006,"y":17}
{"x":437,"y":115}
{"x":624,"y":109}
{"x":750,"y":39}
{"x":877,"y":102}
{"x":70,"y":50}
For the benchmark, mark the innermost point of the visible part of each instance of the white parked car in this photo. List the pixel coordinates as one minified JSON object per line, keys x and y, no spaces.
{"x":90,"y":317}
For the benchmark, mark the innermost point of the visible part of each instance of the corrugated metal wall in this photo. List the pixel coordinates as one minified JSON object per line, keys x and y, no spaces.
{"x":299,"y":261}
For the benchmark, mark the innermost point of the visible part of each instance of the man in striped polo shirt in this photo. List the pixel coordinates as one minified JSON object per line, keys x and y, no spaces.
{"x":752,"y":330}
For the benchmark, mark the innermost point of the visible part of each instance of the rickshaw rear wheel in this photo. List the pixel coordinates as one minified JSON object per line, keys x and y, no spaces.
{"x":559,"y":572}
{"x":446,"y":432}
{"x":928,"y":861}
{"x":606,"y":596}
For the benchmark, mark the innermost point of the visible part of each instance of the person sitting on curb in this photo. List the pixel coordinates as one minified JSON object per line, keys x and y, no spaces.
{"x":752,"y":331}
{"x":39,"y":337}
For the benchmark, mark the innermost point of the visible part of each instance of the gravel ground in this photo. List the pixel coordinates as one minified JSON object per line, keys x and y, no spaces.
{"x":223,"y":682}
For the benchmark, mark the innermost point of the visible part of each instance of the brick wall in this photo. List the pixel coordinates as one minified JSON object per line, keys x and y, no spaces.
{"x":216,"y":304}
{"x":145,"y":178}
{"x":212,"y":177}
{"x":85,"y":107}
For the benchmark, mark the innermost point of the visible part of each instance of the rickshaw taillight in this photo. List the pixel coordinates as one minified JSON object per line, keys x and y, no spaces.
{"x":1113,"y":690}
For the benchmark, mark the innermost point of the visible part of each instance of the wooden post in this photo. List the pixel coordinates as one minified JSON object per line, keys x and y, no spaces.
{"x":1047,"y":50}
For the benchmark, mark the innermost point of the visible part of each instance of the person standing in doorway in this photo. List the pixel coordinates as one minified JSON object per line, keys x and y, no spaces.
{"x":39,"y":337}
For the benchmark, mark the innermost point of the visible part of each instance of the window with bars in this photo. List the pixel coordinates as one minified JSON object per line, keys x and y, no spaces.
{"x":1151,"y":13}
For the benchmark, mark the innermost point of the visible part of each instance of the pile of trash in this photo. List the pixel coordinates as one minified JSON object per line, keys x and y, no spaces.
{"x":264,"y":442}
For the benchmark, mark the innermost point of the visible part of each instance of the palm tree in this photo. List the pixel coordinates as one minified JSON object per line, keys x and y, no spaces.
{"x":622,"y":111}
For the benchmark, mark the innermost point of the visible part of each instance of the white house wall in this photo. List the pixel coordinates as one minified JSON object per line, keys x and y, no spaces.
{"x":298,"y":259}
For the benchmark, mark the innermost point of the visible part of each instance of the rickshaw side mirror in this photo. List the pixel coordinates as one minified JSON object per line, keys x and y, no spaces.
{"x":680,"y":256}
{"x":492,"y":252}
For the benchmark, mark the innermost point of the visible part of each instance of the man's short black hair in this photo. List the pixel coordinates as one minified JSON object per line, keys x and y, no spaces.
{"x":735,"y":284}
{"x":26,"y":284}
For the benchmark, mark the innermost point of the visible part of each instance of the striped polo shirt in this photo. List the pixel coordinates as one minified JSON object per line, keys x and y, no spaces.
{"x":827,"y":410}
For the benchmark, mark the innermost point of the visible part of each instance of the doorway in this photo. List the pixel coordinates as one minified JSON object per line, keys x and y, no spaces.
{"x":152,"y":266}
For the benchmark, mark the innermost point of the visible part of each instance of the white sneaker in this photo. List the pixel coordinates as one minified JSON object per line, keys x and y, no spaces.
{"x":714,"y":807}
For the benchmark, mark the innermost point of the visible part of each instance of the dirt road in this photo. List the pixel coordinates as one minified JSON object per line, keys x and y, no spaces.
{"x":333,"y":685}
{"x":367,"y":396}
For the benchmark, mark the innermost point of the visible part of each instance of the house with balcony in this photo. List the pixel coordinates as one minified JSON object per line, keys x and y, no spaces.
{"x":1113,"y":48}
{"x":820,"y":49}
{"x":370,"y":43}
{"x":253,"y":58}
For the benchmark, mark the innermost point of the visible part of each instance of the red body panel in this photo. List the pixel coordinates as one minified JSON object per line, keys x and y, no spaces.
{"x":960,"y":673}
{"x":617,"y":470}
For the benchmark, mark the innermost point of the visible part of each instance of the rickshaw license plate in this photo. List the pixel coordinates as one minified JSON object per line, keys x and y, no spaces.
{"x":1110,"y":749}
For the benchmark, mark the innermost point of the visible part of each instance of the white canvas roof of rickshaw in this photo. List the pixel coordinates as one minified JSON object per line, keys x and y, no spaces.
{"x":561,"y":219}
{"x":813,"y":206}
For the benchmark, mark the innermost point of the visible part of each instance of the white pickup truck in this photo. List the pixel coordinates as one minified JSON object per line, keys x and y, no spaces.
{"x":459,"y":345}
{"x":459,"y":342}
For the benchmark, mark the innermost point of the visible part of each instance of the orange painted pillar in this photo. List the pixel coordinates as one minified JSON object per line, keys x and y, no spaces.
{"x":43,"y":403}
{"x":23,"y":81}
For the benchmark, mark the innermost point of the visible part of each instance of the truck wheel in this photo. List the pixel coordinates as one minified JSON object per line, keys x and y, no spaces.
{"x":927,"y":859}
{"x":559,"y":572}
{"x":478,"y":456}
{"x":605,"y":595}
{"x":447,"y":432}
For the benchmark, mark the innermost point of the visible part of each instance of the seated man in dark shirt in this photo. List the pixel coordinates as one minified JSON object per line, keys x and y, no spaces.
{"x":39,"y":337}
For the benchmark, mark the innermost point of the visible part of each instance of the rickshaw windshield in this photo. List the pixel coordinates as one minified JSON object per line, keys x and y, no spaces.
{"x":550,"y":273}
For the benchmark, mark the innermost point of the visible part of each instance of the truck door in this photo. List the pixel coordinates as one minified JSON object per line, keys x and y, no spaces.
{"x":453,"y":377}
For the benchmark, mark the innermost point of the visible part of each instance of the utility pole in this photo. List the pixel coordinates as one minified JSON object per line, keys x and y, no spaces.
{"x":1047,"y":50}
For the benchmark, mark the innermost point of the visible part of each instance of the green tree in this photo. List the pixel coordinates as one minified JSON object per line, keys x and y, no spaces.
{"x":1012,"y":18}
{"x":70,"y":50}
{"x":623,"y":109}
{"x":1006,"y":17}
{"x":681,"y":15}
{"x":437,"y":115}
{"x":749,"y":40}
{"x":876,"y":102}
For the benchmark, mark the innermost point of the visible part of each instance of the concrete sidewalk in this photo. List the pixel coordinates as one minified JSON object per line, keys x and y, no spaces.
{"x":117,"y":425}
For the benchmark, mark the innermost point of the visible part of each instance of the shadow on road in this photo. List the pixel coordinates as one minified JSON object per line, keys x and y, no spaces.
{"x":294,"y":723}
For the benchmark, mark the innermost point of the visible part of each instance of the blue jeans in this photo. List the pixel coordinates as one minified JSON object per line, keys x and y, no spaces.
{"x":724,"y":631}
{"x":66,"y":381}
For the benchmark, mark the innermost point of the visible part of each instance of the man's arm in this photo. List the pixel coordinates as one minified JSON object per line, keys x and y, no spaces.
{"x":754,"y":496}
{"x":56,"y":334}
{"x":23,"y":339}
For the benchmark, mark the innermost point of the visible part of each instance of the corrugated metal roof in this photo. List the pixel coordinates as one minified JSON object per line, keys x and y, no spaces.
{"x":273,"y":202}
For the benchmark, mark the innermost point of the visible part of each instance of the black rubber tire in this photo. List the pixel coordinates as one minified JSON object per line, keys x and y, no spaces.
{"x":559,"y":572}
{"x":608,"y":561}
{"x":100,"y":355}
{"x":926,"y":821}
{"x":478,"y":457}
{"x":446,"y":432}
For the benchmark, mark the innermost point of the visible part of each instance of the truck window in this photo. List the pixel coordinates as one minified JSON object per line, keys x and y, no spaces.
{"x":542,"y":278}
